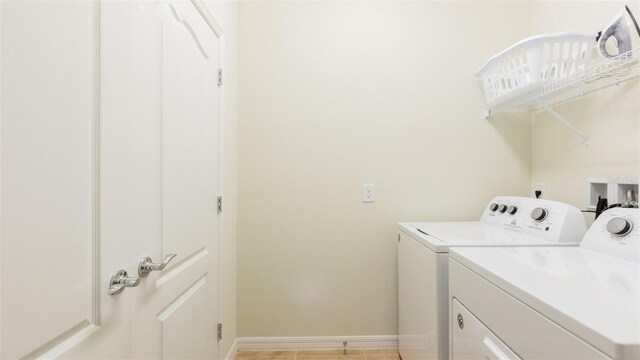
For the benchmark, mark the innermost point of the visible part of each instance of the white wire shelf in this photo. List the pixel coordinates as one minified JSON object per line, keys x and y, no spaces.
{"x":606,"y":73}
{"x":610,"y":72}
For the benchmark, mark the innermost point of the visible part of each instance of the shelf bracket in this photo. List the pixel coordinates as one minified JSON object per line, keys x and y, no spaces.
{"x":486,"y":112}
{"x":566,"y":123}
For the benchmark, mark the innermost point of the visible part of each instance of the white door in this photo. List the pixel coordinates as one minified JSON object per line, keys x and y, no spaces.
{"x":174,"y":83}
{"x":109,"y":153}
{"x":55,"y":258}
{"x":165,"y":95}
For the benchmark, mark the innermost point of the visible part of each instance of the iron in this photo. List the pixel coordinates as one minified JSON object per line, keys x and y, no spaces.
{"x":621,"y":36}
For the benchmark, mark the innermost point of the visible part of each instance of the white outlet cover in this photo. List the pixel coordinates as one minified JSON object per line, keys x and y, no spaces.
{"x":368,"y":193}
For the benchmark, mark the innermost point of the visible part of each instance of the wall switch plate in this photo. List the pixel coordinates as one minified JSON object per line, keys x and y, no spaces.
{"x":539,"y":187}
{"x":368,"y":193}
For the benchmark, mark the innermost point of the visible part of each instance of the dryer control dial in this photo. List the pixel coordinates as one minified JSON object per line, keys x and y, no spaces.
{"x":539,"y":214}
{"x":619,"y":226}
{"x":502,"y":208}
{"x":512,"y":209}
{"x":493,"y":207}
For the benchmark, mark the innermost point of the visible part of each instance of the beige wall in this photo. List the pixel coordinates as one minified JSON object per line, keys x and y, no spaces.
{"x":611,"y":117}
{"x":226,"y":13}
{"x":336,"y":94}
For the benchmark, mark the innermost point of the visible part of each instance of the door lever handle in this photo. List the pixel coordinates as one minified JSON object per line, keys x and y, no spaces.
{"x":146,"y":265}
{"x":120,"y":280}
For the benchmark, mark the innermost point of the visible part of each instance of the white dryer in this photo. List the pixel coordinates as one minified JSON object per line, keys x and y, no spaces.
{"x":423,"y":282}
{"x":551,"y":303}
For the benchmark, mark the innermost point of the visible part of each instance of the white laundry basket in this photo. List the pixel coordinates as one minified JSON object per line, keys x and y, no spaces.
{"x":533,"y":62}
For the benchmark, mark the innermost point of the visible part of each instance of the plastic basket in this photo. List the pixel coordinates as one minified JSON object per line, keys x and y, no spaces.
{"x":532,"y":62}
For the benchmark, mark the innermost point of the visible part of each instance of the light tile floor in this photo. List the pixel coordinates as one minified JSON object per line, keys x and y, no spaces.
{"x":352,"y":354}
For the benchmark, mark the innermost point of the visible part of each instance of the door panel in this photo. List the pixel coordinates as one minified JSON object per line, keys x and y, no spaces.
{"x":186,"y":312}
{"x":189,"y":93}
{"x":48,"y":232}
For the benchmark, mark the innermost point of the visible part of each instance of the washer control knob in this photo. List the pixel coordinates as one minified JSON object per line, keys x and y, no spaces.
{"x":619,"y":226}
{"x":493,"y":207}
{"x":512,"y":209}
{"x":502,"y":208}
{"x":539,"y":214}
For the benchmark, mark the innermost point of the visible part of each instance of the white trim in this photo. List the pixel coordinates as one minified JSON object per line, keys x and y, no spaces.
{"x":317,"y":342}
{"x":204,"y":11}
{"x":232,"y":351}
{"x":96,"y":281}
{"x":71,"y":342}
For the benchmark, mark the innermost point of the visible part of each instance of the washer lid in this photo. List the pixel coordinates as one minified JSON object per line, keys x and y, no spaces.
{"x":594,"y":296}
{"x":439,"y":236}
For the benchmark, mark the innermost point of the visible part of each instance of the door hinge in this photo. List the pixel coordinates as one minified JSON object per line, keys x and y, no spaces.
{"x":219,"y":331}
{"x":219,"y":77}
{"x":219,"y":204}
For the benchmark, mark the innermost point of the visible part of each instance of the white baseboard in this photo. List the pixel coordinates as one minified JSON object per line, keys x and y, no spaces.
{"x":232,"y":351}
{"x":317,"y":342}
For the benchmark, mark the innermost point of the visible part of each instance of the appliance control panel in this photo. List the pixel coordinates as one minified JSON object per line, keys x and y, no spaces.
{"x":616,"y":232}
{"x":545,"y":219}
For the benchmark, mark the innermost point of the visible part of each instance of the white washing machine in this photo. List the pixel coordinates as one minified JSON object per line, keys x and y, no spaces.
{"x":551,"y":303}
{"x":423,"y":282}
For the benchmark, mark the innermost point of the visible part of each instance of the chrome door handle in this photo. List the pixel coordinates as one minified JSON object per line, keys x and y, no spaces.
{"x":146,"y":265}
{"x":121,"y":280}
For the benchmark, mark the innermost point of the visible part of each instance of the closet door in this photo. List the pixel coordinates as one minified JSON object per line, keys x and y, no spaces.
{"x":56,"y":256}
{"x":163,"y":133}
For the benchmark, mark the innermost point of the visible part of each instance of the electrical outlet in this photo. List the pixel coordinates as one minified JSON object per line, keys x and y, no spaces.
{"x":368,"y":193}
{"x":538,"y":187}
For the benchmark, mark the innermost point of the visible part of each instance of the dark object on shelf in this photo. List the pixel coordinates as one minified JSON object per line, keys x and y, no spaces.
{"x":601,"y":206}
